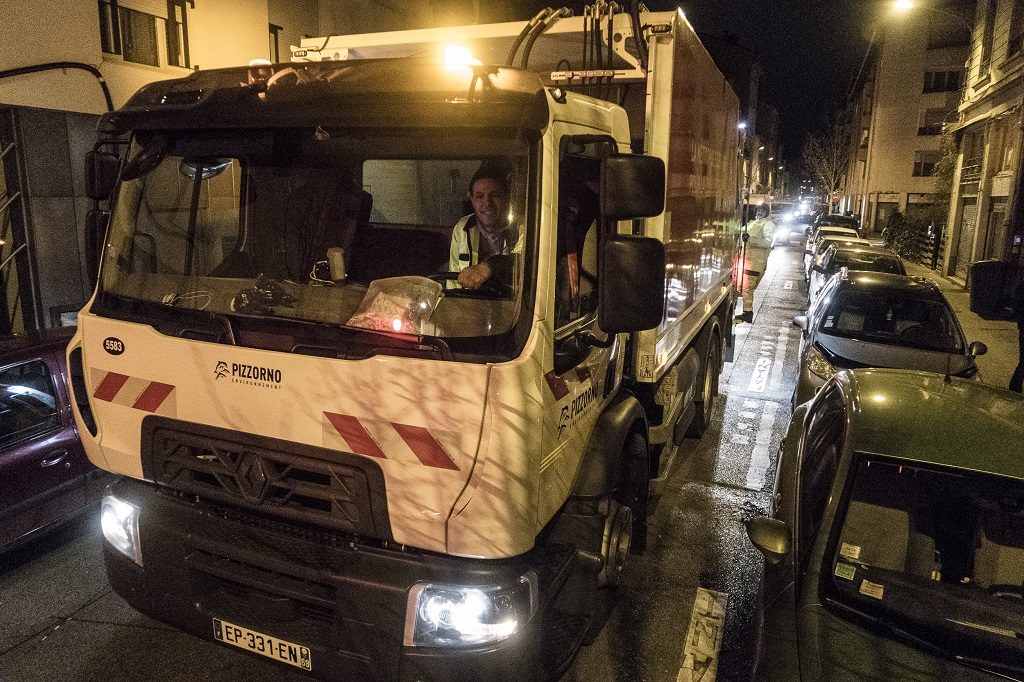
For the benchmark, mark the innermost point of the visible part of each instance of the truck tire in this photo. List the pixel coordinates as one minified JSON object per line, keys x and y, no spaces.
{"x":634,"y":487}
{"x":705,"y":404}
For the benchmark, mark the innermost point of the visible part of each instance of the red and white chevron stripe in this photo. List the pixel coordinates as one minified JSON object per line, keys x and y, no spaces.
{"x":139,"y":394}
{"x":400,"y":443}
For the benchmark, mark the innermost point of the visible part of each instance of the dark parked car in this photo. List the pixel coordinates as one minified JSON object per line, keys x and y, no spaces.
{"x":859,"y":257}
{"x":45,"y":478}
{"x":874,"y":319}
{"x":895,"y":547}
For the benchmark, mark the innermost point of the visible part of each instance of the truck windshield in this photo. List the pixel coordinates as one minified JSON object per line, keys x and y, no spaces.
{"x":351,"y":232}
{"x":935,"y":556}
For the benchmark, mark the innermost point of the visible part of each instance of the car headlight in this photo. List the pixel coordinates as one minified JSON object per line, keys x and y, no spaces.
{"x":452,"y":615}
{"x":819,"y":365}
{"x":120,"y":523}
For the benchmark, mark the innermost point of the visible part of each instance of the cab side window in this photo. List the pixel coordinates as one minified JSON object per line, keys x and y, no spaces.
{"x":823,"y":445}
{"x":576,"y":268}
{"x":28,"y":403}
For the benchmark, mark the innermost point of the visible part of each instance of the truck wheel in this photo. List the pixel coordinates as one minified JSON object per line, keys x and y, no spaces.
{"x":705,"y":403}
{"x":634,"y":488}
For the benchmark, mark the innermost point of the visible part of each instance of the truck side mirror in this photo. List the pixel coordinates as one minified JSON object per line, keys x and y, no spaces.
{"x":100,"y":174}
{"x":632,"y":291}
{"x":632,"y":186}
{"x":95,"y":232}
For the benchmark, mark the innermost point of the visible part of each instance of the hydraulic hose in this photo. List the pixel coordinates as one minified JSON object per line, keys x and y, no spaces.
{"x":638,"y":35}
{"x":530,"y":25}
{"x":53,"y":66}
{"x":544,"y":25}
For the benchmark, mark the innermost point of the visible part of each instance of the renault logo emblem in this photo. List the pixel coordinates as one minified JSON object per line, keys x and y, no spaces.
{"x":252,"y":478}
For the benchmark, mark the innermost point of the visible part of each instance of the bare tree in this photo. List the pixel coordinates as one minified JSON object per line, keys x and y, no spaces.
{"x":826,"y":156}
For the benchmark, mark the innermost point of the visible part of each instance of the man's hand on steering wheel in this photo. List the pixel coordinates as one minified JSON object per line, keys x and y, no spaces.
{"x":475,"y":276}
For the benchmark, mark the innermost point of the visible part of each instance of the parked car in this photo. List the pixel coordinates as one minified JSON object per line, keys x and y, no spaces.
{"x":816,"y":245}
{"x":895,"y":546}
{"x":838,"y":220}
{"x":45,"y":478}
{"x":853,"y":257}
{"x":872,"y":319}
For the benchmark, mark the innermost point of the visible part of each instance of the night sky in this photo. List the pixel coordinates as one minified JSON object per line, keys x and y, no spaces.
{"x":810,"y":50}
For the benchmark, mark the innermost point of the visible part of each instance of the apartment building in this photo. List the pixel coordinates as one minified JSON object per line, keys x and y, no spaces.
{"x":48,"y":117}
{"x":988,"y":136}
{"x":907,"y":90}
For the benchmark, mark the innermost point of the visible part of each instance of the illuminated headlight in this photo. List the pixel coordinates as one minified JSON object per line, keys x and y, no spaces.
{"x":120,"y":523}
{"x":451,"y":615}
{"x":819,"y":365}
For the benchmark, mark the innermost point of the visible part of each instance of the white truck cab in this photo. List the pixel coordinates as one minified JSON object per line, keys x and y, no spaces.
{"x":332,"y":454}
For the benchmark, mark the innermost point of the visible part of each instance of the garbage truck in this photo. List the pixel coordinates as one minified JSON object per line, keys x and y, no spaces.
{"x":332,"y":451}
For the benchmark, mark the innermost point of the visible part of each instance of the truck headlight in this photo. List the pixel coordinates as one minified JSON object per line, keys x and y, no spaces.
{"x":819,"y":365}
{"x":120,"y":523}
{"x":452,"y":615}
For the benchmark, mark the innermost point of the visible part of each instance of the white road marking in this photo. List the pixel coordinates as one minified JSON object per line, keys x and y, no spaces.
{"x":788,"y":284}
{"x":759,"y":458}
{"x":759,"y":378}
{"x":780,"y":357}
{"x":739,"y":439}
{"x":704,"y":637}
{"x":747,"y":414}
{"x":751,"y":404}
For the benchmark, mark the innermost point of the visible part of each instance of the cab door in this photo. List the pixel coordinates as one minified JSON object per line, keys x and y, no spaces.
{"x":578,"y":379}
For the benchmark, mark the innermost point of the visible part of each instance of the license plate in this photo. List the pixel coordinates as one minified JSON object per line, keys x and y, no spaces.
{"x":256,"y":642}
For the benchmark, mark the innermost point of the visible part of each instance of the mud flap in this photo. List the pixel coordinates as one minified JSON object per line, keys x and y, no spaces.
{"x":730,"y":345}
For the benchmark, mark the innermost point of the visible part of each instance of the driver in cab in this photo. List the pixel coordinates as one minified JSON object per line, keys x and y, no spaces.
{"x":484,"y":242}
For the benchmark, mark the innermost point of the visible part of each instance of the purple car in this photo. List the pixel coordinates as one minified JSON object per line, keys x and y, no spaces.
{"x":45,"y":478}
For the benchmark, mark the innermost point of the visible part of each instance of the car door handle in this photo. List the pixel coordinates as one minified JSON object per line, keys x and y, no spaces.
{"x":57,"y":456}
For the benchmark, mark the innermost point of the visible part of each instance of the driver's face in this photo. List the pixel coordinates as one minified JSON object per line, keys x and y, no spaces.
{"x":489,"y":202}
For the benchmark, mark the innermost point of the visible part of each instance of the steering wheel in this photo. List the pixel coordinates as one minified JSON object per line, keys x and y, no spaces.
{"x":491,"y":288}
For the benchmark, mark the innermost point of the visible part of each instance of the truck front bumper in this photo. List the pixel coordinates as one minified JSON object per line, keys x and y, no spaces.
{"x":342,"y":599}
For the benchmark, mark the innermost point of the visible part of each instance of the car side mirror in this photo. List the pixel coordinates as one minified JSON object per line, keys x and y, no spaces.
{"x":976,"y":348}
{"x":632,"y":186}
{"x":100,"y":174}
{"x":800,"y":321}
{"x":632,"y":289}
{"x":770,"y":537}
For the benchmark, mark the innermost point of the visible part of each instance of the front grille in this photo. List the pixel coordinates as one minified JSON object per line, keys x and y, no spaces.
{"x":337,"y":490}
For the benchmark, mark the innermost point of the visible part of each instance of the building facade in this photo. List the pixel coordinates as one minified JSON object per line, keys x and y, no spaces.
{"x":907,"y":91}
{"x":982,"y":215}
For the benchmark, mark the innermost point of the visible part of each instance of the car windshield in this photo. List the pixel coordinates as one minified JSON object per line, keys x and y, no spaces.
{"x":937,"y":556}
{"x":892,"y":316}
{"x":868,"y":262}
{"x":342,"y":230}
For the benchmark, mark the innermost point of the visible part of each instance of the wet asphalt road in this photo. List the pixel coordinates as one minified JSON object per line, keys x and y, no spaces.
{"x":59,"y":619}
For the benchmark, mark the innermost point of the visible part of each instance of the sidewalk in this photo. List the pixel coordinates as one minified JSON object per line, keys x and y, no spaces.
{"x":1000,"y":336}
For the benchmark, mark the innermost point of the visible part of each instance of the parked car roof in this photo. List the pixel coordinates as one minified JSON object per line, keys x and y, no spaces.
{"x":957,"y":423}
{"x":915,"y":286}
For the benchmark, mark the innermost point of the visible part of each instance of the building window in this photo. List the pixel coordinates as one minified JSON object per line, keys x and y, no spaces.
{"x":943,"y":81}
{"x":1016,"y":28}
{"x":275,"y":43}
{"x":924,"y":163}
{"x":931,"y":122}
{"x":988,"y":23}
{"x":145,"y":38}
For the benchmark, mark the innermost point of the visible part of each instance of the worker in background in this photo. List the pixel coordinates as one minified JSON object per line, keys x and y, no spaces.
{"x":483,"y":242}
{"x":758,"y":237}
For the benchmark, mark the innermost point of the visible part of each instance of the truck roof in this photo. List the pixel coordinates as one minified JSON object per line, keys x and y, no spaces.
{"x":412,"y":92}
